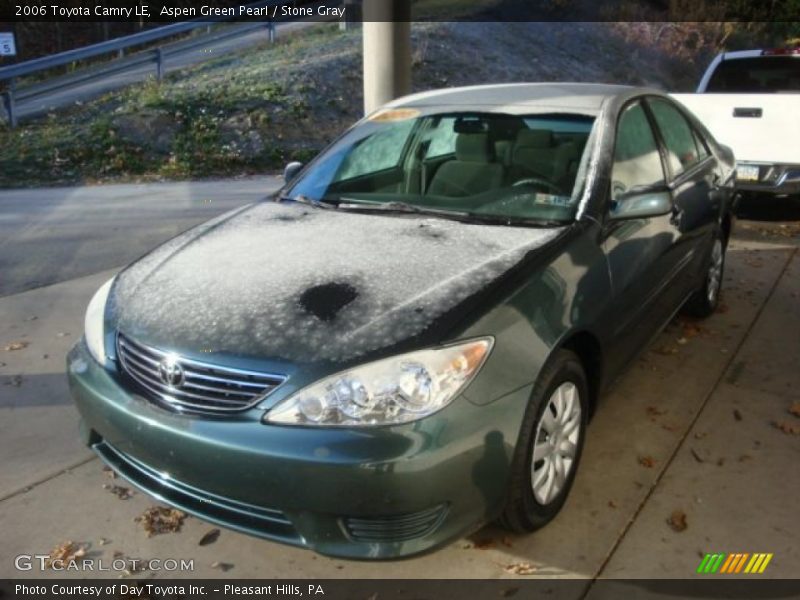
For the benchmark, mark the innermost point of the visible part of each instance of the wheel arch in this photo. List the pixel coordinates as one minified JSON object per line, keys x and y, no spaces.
{"x":590,"y":352}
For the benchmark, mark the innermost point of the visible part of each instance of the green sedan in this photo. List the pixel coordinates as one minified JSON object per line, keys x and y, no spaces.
{"x":409,"y":339}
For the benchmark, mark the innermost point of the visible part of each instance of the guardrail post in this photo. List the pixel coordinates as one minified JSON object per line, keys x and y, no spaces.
{"x":271,"y":31}
{"x":8,"y":101}
{"x":159,"y":64}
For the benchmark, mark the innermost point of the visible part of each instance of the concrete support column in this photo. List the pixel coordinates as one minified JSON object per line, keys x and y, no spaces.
{"x":387,"y":51}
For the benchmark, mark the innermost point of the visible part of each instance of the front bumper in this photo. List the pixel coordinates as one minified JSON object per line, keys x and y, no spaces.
{"x":775,"y":179}
{"x":384,"y":492}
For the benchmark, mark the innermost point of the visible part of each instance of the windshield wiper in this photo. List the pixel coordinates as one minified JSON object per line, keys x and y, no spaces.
{"x":301,"y":199}
{"x":404,"y":207}
{"x":468,"y":217}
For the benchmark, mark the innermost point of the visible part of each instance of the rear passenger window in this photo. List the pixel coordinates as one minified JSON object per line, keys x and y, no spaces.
{"x":678,"y":135}
{"x":637,"y":163}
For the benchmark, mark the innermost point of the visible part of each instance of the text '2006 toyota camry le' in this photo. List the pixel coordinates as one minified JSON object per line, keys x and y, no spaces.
{"x":408,"y":340}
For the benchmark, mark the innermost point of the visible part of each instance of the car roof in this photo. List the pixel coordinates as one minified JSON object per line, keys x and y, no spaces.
{"x":517,"y":97}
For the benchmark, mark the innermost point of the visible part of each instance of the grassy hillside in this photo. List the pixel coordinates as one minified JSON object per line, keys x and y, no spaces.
{"x":252,"y":112}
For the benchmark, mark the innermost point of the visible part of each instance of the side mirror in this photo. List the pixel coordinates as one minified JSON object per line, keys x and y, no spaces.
{"x":642,"y":205}
{"x":291,"y":170}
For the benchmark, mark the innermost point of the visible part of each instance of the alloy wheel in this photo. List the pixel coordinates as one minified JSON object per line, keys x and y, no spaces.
{"x":555,"y":445}
{"x":715,"y":271}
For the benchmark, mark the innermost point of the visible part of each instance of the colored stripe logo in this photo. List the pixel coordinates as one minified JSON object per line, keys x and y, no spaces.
{"x":738,"y":562}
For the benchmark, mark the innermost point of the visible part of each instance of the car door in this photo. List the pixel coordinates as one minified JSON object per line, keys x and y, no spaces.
{"x":640,"y":251}
{"x":695,"y":183}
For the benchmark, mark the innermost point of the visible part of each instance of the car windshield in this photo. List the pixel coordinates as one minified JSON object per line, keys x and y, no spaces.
{"x":508,"y":167}
{"x":759,"y":75}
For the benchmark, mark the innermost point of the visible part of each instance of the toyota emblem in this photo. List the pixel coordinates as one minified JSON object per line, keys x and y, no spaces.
{"x":171,"y":373}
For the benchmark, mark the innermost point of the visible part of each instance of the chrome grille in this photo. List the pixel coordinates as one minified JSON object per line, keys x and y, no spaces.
{"x":202,"y":388}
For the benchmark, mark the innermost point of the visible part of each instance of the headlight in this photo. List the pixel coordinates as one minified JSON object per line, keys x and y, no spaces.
{"x":94,"y":323}
{"x":394,"y":390}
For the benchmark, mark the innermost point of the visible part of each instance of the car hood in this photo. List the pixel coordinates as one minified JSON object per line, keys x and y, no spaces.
{"x":286,"y":281}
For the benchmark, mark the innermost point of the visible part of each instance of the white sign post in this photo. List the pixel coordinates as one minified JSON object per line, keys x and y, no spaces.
{"x":7,"y":45}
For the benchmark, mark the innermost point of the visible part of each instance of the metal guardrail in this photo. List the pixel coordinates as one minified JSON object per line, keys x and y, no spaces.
{"x":156,"y":56}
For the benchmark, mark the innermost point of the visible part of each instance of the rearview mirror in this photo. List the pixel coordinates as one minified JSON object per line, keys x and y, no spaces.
{"x":291,"y":170}
{"x":642,"y":205}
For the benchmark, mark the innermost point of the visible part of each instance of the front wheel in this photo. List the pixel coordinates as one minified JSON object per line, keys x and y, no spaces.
{"x":705,"y":300}
{"x":550,"y":445}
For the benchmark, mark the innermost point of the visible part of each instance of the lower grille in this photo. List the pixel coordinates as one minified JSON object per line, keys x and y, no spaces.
{"x":255,"y":520}
{"x":396,"y":528}
{"x":190,"y":385}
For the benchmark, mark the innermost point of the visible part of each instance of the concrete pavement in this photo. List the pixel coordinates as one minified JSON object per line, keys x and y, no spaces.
{"x":639,"y":465}
{"x":56,"y":234}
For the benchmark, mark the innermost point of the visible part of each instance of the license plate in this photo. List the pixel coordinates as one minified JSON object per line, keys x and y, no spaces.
{"x":747,"y":172}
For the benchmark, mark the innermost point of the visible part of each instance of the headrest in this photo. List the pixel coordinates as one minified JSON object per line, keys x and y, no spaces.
{"x":534,"y":138}
{"x":474,"y":147}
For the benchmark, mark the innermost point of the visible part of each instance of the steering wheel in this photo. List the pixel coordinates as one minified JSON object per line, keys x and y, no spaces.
{"x":538,"y":181}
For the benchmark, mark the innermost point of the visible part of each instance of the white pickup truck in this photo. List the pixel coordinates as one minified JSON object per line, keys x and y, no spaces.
{"x":750,"y":101}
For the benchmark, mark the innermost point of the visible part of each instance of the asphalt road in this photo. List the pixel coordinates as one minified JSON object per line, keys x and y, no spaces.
{"x":49,"y":235}
{"x":89,"y":90}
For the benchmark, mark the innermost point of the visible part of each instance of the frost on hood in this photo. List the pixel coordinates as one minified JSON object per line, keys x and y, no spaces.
{"x":303,"y":284}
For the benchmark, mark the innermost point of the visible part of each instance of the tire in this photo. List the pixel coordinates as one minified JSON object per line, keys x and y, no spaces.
{"x":530,"y":507}
{"x":705,"y":300}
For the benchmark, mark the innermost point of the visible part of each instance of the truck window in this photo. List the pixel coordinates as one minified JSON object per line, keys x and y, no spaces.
{"x":757,"y":75}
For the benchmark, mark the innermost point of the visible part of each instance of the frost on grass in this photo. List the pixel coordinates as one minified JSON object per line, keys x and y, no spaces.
{"x":290,"y":282}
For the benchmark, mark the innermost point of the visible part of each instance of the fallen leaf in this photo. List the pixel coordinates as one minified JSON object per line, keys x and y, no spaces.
{"x":737,"y":415}
{"x":160,"y":519}
{"x":677,"y":521}
{"x":522,"y":568}
{"x":647,"y":461}
{"x":483,"y":543}
{"x":666,"y":350}
{"x":745,"y":458}
{"x":64,"y":553}
{"x":696,"y":456}
{"x":103,"y":541}
{"x":700,"y":435}
{"x":506,"y":541}
{"x":654,"y":411}
{"x":120,"y":491}
{"x":18,"y":345}
{"x":612,"y":504}
{"x":222,"y":566}
{"x":794,"y":409}
{"x":209,"y":538}
{"x":787,"y":428}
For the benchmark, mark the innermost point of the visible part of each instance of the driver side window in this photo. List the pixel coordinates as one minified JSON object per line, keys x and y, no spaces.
{"x":637,"y":162}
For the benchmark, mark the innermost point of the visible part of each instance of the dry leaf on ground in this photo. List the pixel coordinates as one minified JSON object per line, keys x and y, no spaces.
{"x":209,"y":538}
{"x":696,"y":455}
{"x":64,"y":553}
{"x":677,"y":521}
{"x":794,"y":409}
{"x":522,"y":568}
{"x":647,"y":461}
{"x":120,"y":491}
{"x":787,"y":428}
{"x":654,"y":411}
{"x":222,"y":566}
{"x":160,"y":519}
{"x":737,"y":414}
{"x":18,"y":345}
